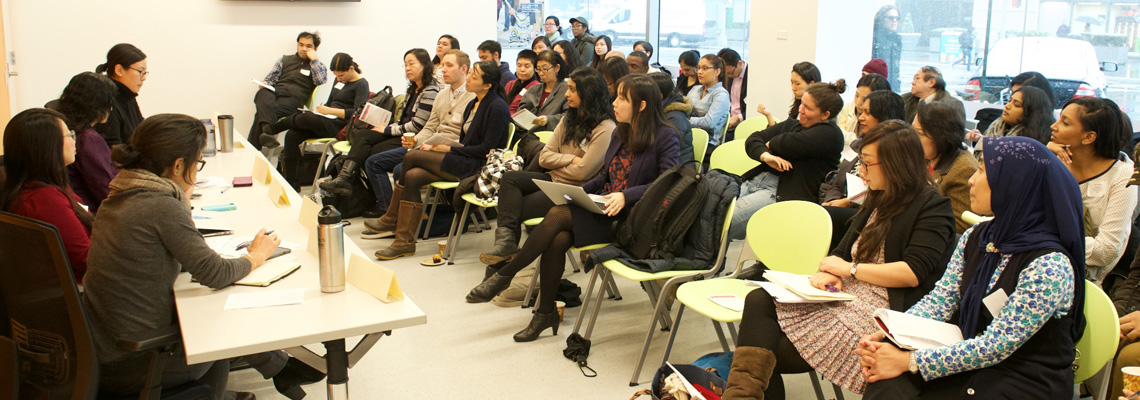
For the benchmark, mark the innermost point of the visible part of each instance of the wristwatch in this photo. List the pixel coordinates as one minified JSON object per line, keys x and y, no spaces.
{"x":913,"y":366}
{"x":854,"y":267}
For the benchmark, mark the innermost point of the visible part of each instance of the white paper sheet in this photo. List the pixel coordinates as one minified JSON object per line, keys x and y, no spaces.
{"x":262,"y":84}
{"x":265,"y":298}
{"x":729,"y":301}
{"x":211,"y":182}
{"x":525,"y":119}
{"x":912,"y":332}
{"x":783,"y":295}
{"x":801,"y":285}
{"x":375,"y":116}
{"x":856,"y":188}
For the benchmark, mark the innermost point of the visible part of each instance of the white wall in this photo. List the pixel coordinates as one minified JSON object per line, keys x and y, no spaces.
{"x":202,"y":53}
{"x":771,"y":58}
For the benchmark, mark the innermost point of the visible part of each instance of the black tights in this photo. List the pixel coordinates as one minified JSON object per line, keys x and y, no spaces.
{"x":422,"y":167}
{"x":551,"y":239}
{"x":760,"y":327}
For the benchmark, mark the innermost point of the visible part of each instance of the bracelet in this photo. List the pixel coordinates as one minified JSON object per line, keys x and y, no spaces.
{"x":247,"y":256}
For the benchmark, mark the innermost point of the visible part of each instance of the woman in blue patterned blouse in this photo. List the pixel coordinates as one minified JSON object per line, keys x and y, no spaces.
{"x":1020,"y":345}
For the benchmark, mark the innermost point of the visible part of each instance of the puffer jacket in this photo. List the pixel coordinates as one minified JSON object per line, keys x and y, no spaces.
{"x":677,"y":111}
{"x":702,"y":241}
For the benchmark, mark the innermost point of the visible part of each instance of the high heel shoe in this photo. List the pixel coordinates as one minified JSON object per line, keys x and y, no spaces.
{"x":490,"y":288}
{"x":538,"y":323}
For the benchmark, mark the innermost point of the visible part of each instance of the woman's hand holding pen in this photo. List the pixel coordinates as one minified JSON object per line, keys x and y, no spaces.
{"x":261,"y":247}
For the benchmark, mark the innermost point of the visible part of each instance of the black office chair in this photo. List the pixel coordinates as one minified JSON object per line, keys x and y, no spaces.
{"x":45,"y":319}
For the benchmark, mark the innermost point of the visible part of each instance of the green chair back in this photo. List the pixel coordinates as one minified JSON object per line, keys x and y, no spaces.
{"x":731,"y":157}
{"x":790,"y":236}
{"x":1102,"y":332}
{"x":700,"y":143}
{"x":748,"y":126}
{"x":544,"y":136}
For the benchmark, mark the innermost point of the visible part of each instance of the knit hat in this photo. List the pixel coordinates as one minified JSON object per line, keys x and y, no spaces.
{"x":876,"y":66}
{"x":580,"y":20}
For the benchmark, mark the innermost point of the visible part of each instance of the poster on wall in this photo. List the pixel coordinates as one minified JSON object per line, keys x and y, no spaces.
{"x":518,"y":22}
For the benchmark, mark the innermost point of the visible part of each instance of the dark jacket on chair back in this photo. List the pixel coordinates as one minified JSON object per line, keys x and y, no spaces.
{"x":488,"y":131}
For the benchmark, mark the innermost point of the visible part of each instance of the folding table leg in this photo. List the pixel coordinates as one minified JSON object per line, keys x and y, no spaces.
{"x":337,"y":359}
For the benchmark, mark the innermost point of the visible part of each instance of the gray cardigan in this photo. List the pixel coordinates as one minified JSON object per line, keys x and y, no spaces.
{"x":554,"y":107}
{"x":140,"y":242}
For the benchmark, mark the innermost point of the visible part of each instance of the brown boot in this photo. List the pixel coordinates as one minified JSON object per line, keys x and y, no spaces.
{"x":385,"y":225}
{"x":405,"y":243}
{"x":751,"y":369}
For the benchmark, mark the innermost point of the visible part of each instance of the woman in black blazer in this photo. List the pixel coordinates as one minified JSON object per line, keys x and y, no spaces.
{"x":484,"y":129}
{"x":897,"y":248}
{"x":642,"y":147}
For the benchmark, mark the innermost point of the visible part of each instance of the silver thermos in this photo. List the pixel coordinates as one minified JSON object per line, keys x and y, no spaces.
{"x":330,"y":245}
{"x":226,"y":133}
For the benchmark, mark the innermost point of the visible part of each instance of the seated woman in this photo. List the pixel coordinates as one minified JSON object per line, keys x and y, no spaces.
{"x":347,"y":97}
{"x":897,"y":248}
{"x":566,"y":50}
{"x":126,"y":65}
{"x":677,"y":109}
{"x":525,"y":78}
{"x":484,"y":129}
{"x":1089,"y":138}
{"x":444,"y":44}
{"x":38,"y":147}
{"x":642,"y":147}
{"x":548,"y":99}
{"x":877,"y":107}
{"x":143,"y":238}
{"x":711,"y":101}
{"x":795,"y":155}
{"x":942,"y":133}
{"x":1028,"y":113}
{"x":420,"y":96}
{"x":687,"y":61}
{"x":572,"y":156}
{"x":613,"y":70}
{"x":87,"y":101}
{"x":602,"y":46}
{"x":803,"y":74}
{"x":848,"y":119}
{"x":539,"y":45}
{"x":1033,"y":251}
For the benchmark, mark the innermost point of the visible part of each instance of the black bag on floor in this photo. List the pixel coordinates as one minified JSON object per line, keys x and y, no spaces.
{"x":306,"y":169}
{"x":353,"y":204}
{"x":657,"y":224}
{"x":569,"y":293}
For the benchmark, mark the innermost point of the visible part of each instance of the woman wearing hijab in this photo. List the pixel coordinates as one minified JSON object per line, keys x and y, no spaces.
{"x":1033,"y":250}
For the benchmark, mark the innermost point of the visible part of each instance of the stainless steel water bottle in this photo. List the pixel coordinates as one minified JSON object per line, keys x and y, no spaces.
{"x":330,"y":245}
{"x":226,"y":133}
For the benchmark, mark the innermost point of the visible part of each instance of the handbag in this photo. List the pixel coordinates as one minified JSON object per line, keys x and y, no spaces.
{"x":499,"y":161}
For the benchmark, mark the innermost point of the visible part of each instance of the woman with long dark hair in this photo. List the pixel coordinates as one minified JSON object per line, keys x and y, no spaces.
{"x":886,"y":42}
{"x":572,"y":156}
{"x":711,"y":101}
{"x":642,"y":146}
{"x":87,"y":101}
{"x":565,"y":49}
{"x":803,"y":74}
{"x":848,"y":119}
{"x":420,"y":95}
{"x":126,"y":65}
{"x":1028,"y":113}
{"x":1032,"y":252}
{"x":539,"y":45}
{"x":613,"y":69}
{"x":897,"y":247}
{"x":346,"y":99}
{"x":602,"y":46}
{"x":484,"y":129}
{"x":951,"y":165}
{"x":38,"y":146}
{"x":687,"y":61}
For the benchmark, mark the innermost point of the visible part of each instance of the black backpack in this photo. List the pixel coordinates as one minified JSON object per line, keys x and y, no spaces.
{"x":353,"y":204}
{"x":657,"y":224}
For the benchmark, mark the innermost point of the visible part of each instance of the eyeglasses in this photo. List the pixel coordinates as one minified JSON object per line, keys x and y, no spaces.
{"x":142,"y":73}
{"x":70,"y":134}
{"x":550,"y":24}
{"x":541,"y":69}
{"x":892,"y":19}
{"x":865,"y":164}
{"x":201,"y":165}
{"x":705,"y":68}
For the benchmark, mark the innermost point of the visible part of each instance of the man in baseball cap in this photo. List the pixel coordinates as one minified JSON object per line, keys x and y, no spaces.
{"x":583,"y":40}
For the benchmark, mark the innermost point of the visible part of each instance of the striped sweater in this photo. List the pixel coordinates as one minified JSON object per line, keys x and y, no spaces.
{"x":422,"y":106}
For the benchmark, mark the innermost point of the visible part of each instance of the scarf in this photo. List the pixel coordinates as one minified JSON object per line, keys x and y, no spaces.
{"x":128,"y":179}
{"x":1037,"y":205}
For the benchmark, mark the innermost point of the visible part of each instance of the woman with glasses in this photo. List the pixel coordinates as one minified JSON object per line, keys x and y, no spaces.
{"x":553,"y":29}
{"x":711,"y":101}
{"x":143,"y":238}
{"x":895,"y":251}
{"x":547,"y":100}
{"x":126,"y":65}
{"x":886,"y":43}
{"x":38,"y":147}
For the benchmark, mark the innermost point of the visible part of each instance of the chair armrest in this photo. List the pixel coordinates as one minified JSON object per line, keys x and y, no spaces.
{"x":152,"y":339}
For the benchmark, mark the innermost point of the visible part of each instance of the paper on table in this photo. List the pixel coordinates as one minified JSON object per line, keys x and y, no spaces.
{"x":212,"y":223}
{"x":729,"y":301}
{"x":374,"y":115}
{"x":210,"y":182}
{"x":801,"y":285}
{"x":782,"y":294}
{"x":262,"y":84}
{"x":272,"y":271}
{"x":856,"y":189}
{"x":911,"y":332}
{"x":524,"y":118}
{"x":261,"y":170}
{"x":374,"y":279}
{"x":267,"y":298}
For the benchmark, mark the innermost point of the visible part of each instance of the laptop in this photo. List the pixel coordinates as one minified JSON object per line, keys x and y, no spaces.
{"x":561,"y":193}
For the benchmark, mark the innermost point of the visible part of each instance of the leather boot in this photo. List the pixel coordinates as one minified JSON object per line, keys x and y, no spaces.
{"x":506,"y":246}
{"x":751,"y":369}
{"x":342,"y":184}
{"x":405,"y":243}
{"x":385,"y":225}
{"x":489,"y":288}
{"x":538,"y":323}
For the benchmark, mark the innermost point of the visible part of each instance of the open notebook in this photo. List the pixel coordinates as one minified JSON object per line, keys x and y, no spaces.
{"x":800,"y":285}
{"x":911,"y":332}
{"x":272,"y":271}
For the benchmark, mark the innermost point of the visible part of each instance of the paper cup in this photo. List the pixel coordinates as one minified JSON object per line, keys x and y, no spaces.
{"x":1131,"y":378}
{"x":561,"y":307}
{"x":442,"y":247}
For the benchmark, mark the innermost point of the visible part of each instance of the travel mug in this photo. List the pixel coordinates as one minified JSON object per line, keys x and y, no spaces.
{"x":226,"y":133}
{"x":330,"y":245}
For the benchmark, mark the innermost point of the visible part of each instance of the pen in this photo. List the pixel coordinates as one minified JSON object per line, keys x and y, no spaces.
{"x":831,"y":289}
{"x":249,"y":242}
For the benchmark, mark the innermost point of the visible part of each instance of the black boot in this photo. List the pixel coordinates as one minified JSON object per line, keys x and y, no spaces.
{"x":269,"y":133}
{"x":490,"y":288}
{"x":538,"y":323}
{"x":296,"y":373}
{"x":342,"y":184}
{"x":506,"y":246}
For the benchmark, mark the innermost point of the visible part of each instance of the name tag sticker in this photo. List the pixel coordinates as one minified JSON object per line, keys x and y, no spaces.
{"x":995,"y":302}
{"x":338,"y":85}
{"x":305,"y":72}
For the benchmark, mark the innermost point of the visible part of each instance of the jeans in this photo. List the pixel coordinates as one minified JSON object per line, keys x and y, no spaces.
{"x":755,"y":194}
{"x":377,"y":168}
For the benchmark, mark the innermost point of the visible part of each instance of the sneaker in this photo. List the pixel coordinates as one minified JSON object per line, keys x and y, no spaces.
{"x":369,"y":234}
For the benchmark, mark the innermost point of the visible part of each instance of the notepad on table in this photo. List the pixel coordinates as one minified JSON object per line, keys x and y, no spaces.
{"x":912,"y":332}
{"x":272,"y":271}
{"x":801,"y":286}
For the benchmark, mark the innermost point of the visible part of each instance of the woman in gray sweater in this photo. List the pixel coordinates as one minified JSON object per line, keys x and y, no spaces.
{"x":144,"y":237}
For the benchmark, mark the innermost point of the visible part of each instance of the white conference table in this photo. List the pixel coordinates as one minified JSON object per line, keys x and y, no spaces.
{"x":210,"y":333}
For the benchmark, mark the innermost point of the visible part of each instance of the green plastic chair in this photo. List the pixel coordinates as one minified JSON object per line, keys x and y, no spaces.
{"x":750,"y":126}
{"x":657,"y":295}
{"x":1097,"y":346}
{"x":700,"y":143}
{"x":731,"y":157}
